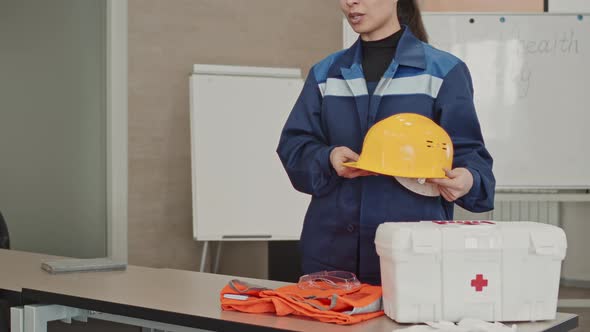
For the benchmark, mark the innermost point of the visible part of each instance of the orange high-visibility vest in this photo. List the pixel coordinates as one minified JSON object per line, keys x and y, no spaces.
{"x":325,"y":304}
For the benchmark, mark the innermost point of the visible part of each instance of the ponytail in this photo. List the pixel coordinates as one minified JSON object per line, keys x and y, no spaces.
{"x":409,"y":14}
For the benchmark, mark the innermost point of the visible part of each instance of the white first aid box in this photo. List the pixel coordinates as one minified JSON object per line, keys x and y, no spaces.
{"x":450,"y":270}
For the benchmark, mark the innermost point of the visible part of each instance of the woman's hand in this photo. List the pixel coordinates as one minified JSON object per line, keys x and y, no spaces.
{"x":341,"y":155}
{"x":458,"y":184}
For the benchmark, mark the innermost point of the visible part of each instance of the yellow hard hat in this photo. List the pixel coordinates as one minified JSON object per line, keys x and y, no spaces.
{"x":406,"y":145}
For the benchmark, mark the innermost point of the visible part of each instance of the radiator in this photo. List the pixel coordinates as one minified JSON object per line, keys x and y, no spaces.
{"x":540,"y":211}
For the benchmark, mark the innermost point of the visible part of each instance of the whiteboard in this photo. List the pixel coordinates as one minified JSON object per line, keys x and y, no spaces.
{"x":531,"y":78}
{"x":569,"y":6}
{"x":240,"y":189}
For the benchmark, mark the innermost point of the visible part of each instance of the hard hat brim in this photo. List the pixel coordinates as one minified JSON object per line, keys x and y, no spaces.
{"x":424,"y":189}
{"x":359,"y":165}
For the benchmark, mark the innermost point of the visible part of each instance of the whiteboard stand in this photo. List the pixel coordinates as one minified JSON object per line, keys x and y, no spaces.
{"x":204,"y":256}
{"x":217,"y":257}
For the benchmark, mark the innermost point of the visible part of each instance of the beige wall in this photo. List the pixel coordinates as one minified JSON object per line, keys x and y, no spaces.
{"x":165,"y":39}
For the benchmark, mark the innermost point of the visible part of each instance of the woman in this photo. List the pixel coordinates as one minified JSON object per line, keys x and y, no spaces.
{"x":389,"y":70}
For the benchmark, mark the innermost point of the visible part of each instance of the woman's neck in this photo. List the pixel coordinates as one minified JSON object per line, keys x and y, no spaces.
{"x":383,"y":32}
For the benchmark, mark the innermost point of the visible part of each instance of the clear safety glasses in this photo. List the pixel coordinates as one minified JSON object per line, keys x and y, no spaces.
{"x":329,"y":280}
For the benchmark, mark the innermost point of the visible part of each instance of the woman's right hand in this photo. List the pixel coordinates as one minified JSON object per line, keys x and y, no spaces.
{"x":342,"y":154}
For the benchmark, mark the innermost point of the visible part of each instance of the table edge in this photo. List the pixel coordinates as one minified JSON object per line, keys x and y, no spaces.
{"x":32,"y":296}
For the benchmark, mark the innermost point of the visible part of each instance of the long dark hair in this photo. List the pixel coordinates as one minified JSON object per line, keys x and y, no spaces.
{"x":408,"y":13}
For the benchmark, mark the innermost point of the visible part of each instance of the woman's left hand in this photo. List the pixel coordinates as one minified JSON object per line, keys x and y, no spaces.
{"x":458,"y":184}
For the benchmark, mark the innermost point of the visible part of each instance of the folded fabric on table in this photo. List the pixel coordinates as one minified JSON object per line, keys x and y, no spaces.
{"x":325,"y":304}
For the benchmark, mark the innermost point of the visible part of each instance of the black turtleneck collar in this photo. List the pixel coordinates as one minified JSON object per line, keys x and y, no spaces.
{"x":378,"y":54}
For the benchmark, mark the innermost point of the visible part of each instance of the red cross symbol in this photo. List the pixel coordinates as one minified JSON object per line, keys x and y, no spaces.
{"x":479,"y":283}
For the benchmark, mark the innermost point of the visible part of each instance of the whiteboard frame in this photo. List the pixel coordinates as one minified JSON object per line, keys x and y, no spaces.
{"x":223,"y":70}
{"x":557,"y":6}
{"x":347,"y":40}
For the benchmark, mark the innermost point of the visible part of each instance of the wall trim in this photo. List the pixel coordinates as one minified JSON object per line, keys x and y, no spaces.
{"x":117,"y":139}
{"x":579,"y":283}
